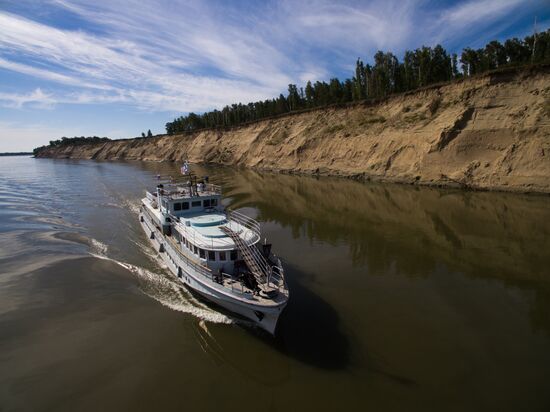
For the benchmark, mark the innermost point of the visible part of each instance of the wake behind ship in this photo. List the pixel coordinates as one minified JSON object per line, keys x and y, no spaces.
{"x":214,"y":251}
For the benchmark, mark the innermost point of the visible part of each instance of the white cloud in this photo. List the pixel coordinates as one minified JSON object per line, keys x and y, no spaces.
{"x":125,"y":67}
{"x":376,"y":24}
{"x":486,"y":17}
{"x":37,"y":98}
{"x":48,"y":75}
{"x":194,"y":56}
{"x":474,"y":11}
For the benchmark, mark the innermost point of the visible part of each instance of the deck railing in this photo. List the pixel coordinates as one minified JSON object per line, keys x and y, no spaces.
{"x":273,"y":274}
{"x":177,"y":188}
{"x":203,"y":270}
{"x":245,"y":221}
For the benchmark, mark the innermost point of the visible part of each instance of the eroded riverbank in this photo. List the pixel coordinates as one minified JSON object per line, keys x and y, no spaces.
{"x":490,"y":132}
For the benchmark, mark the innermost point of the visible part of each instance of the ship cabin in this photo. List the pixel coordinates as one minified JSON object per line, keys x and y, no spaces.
{"x":193,"y":219}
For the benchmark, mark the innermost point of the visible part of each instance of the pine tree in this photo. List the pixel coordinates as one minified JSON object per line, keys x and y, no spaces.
{"x":310,"y":94}
{"x":359,"y":78}
{"x":293,"y":97}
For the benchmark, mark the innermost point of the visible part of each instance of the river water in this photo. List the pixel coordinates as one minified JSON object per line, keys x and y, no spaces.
{"x":402,"y":298}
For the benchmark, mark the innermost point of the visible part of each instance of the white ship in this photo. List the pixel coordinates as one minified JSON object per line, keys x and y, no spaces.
{"x":214,"y":251}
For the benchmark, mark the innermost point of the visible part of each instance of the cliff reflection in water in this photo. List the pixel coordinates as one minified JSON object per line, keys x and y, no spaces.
{"x":411,"y":230}
{"x":454,"y":226}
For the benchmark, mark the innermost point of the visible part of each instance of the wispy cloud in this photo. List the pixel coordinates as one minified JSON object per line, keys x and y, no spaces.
{"x":36,"y":98}
{"x":127,"y":68}
{"x":472,"y":12}
{"x":196,"y":55}
{"x":376,"y":24}
{"x":49,"y":74}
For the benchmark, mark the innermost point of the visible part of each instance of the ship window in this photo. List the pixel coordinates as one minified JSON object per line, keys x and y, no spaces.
{"x":195,"y":250}
{"x":183,"y":239}
{"x":177,"y":206}
{"x":222,"y":255}
{"x":233,"y":255}
{"x":214,"y":202}
{"x":202,"y":253}
{"x":206,"y":203}
{"x":185,"y":205}
{"x":211,"y":255}
{"x":196,"y":203}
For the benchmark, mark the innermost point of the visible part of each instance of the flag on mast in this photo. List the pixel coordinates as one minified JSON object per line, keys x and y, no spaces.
{"x":185,"y":168}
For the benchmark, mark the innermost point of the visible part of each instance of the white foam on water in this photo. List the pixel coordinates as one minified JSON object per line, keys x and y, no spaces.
{"x":134,"y":208}
{"x":98,"y":247}
{"x":203,"y":313}
{"x":111,"y":204}
{"x":167,"y":292}
{"x":131,"y":206}
{"x":149,"y":252}
{"x":203,"y":326}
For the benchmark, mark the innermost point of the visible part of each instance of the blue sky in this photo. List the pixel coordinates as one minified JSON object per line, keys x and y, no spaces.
{"x":116,"y":68}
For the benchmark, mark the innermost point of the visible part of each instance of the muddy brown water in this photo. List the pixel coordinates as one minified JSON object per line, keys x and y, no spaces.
{"x":402,"y":298}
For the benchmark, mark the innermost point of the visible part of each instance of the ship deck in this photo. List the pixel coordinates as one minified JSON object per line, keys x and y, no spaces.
{"x":228,"y":283}
{"x":204,"y":228}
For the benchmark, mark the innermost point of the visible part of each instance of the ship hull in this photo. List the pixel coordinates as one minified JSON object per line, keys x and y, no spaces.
{"x":265,"y":317}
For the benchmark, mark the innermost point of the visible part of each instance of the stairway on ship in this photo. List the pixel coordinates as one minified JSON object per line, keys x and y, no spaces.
{"x":251,"y":259}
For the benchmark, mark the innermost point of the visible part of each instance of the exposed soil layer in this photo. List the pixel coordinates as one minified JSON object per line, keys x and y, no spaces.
{"x":491,"y":132}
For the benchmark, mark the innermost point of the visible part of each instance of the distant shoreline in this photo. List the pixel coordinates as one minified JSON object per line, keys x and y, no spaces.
{"x":16,"y":154}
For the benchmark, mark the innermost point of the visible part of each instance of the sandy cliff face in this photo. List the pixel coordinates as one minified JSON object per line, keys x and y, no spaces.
{"x":491,"y":132}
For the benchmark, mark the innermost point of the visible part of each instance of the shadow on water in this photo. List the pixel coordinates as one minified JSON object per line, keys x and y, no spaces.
{"x":309,"y":329}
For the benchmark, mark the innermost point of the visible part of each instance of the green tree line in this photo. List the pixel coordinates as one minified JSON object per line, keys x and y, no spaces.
{"x":71,"y":141}
{"x":387,"y":75}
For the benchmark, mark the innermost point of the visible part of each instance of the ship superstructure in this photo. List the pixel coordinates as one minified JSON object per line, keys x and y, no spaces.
{"x":215,"y":251}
